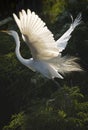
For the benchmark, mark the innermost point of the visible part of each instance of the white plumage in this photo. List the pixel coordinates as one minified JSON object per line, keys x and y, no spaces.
{"x":44,"y":49}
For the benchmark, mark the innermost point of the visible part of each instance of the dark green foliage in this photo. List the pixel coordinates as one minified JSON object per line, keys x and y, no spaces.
{"x":65,"y":110}
{"x":52,"y":9}
{"x":17,"y":121}
{"x":27,"y":100}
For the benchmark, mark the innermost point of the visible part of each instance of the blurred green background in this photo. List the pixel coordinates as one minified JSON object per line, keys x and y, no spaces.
{"x":29,"y":101}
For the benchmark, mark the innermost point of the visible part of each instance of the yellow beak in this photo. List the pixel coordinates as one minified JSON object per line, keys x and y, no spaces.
{"x":4,"y":31}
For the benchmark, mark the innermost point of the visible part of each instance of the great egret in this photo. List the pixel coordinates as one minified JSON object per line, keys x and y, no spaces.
{"x":46,"y":52}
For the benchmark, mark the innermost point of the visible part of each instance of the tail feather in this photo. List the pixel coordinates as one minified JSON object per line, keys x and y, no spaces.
{"x":65,"y":64}
{"x":70,"y":64}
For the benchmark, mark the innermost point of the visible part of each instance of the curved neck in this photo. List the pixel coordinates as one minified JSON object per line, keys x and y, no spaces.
{"x":17,"y":50}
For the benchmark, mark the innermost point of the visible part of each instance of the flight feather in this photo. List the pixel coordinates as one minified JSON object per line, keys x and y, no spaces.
{"x":36,"y":34}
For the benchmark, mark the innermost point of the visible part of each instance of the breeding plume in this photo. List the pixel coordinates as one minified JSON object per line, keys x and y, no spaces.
{"x":45,"y":51}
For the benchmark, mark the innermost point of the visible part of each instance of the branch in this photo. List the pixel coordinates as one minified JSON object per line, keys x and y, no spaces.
{"x":6,"y":20}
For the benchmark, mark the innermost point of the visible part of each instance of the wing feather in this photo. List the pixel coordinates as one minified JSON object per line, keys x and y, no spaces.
{"x":62,"y":41}
{"x":38,"y":37}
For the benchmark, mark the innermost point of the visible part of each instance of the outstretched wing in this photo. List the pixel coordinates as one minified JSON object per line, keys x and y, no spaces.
{"x":37,"y":36}
{"x":62,"y":41}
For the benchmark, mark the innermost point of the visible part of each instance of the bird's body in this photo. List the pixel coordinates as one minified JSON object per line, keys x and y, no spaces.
{"x":45,"y":50}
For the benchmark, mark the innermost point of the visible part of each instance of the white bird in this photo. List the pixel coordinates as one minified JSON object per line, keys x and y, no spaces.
{"x":46,"y":52}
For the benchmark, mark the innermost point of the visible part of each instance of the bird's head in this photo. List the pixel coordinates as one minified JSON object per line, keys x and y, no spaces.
{"x":10,"y":32}
{"x":13,"y":34}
